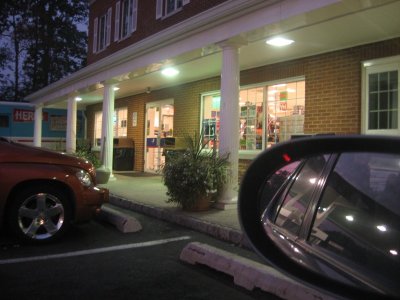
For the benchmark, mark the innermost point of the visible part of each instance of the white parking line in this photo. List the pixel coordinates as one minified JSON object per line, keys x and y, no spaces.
{"x":93,"y":251}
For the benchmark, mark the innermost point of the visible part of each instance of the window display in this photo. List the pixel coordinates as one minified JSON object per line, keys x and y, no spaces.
{"x":251,"y":118}
{"x":285,"y":111}
{"x":268,"y":114}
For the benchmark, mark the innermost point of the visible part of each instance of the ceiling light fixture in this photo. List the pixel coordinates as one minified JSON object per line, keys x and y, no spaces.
{"x":170,"y":72}
{"x":279,"y":42}
{"x":78,"y":99}
{"x":116,"y":88}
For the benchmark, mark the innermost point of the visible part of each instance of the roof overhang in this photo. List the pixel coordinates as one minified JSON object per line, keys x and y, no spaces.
{"x":193,"y":45}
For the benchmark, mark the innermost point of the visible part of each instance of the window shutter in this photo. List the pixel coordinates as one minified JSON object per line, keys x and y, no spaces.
{"x":184,"y":2}
{"x":159,"y":9}
{"x":108,"y":37}
{"x":134,"y":15}
{"x":95,"y":27}
{"x":117,"y":15}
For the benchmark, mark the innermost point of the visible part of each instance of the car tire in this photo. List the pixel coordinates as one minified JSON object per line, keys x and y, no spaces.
{"x":39,"y":214}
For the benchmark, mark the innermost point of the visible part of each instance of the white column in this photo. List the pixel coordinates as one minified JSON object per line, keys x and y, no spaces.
{"x":107,"y":133}
{"x":70,"y":143}
{"x":37,"y":131}
{"x":229,"y":126}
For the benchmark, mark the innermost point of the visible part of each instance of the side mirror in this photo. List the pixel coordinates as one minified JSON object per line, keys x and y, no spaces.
{"x":325,"y":210}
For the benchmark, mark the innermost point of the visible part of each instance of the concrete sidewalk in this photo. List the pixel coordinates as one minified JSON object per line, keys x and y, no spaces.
{"x":146,"y":193}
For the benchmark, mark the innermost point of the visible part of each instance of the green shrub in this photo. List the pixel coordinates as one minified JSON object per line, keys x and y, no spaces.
{"x":194,"y":172}
{"x":83,"y":150}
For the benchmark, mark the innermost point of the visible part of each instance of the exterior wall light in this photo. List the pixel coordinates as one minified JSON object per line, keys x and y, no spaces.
{"x":170,"y":72}
{"x":116,"y":88}
{"x":279,"y":42}
{"x":78,"y":99}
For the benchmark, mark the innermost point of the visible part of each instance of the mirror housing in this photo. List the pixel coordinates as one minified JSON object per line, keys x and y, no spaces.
{"x":264,"y":166}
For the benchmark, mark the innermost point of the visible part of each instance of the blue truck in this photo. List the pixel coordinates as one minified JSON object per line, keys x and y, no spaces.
{"x":17,"y":124}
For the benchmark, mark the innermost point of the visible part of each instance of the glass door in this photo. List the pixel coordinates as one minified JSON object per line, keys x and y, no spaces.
{"x":159,"y":127}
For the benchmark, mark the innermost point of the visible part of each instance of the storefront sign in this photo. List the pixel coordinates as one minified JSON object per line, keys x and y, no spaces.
{"x":58,"y":123}
{"x":26,"y":115}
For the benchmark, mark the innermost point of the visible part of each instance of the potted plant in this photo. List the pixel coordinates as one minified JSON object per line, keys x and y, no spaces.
{"x":83,"y":150}
{"x":194,"y":176}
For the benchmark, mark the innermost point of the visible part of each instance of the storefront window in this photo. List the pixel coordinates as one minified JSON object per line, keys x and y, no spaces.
{"x":210,"y":125}
{"x":285,"y":111}
{"x":119,"y":124}
{"x":98,"y":119}
{"x":268,"y":114}
{"x":251,"y":118}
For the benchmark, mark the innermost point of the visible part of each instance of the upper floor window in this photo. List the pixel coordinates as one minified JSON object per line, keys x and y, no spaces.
{"x":381,"y":104}
{"x":102,"y":31}
{"x":125,"y":18}
{"x":168,"y":7}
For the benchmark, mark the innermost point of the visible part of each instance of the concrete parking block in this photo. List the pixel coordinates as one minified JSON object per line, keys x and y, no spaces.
{"x":248,"y":273}
{"x":123,"y":221}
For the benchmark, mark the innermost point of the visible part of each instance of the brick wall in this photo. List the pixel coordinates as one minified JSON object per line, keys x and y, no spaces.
{"x":333,"y":85}
{"x":333,"y":94}
{"x":187,"y":106}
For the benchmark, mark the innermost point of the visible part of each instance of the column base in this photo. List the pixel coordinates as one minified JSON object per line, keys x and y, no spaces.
{"x":226,"y":204}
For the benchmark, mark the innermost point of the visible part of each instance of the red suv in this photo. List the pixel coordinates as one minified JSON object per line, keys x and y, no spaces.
{"x":43,"y":192}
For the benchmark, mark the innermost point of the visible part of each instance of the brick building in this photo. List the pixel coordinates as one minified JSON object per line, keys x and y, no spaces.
{"x":339,"y":75}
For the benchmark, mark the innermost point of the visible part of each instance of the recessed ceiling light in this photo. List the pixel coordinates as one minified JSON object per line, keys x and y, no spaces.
{"x":279,"y":42}
{"x":170,"y":72}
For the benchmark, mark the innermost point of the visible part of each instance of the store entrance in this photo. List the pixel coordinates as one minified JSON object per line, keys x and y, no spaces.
{"x":159,"y":127}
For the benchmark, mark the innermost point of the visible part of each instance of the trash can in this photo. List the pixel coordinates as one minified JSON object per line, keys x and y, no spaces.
{"x":123,"y":154}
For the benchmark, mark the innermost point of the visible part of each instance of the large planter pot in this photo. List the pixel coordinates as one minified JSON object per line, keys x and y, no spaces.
{"x":202,"y":204}
{"x":102,"y":175}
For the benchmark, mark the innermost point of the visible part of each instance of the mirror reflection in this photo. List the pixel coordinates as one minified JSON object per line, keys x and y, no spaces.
{"x":340,"y":212}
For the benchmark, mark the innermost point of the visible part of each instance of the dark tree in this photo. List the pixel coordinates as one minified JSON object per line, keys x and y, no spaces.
{"x":50,"y":43}
{"x":13,"y":40}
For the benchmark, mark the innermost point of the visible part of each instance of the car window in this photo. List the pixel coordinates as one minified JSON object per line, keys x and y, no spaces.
{"x":274,"y":184}
{"x":358,"y":215}
{"x":294,"y":206}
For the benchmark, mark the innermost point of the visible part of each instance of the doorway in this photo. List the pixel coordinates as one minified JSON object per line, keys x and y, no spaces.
{"x":159,"y":127}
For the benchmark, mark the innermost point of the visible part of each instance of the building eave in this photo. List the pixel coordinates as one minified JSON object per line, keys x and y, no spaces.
{"x":152,"y":47}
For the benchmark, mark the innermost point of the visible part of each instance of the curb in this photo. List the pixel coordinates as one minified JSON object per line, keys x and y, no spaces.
{"x":247,"y":273}
{"x":122,"y":221}
{"x":218,"y":231}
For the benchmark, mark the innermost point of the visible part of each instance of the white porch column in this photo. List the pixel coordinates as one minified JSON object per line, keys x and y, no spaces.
{"x":229,"y":126}
{"x":70,"y":143}
{"x":37,"y":131}
{"x":107,"y":133}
